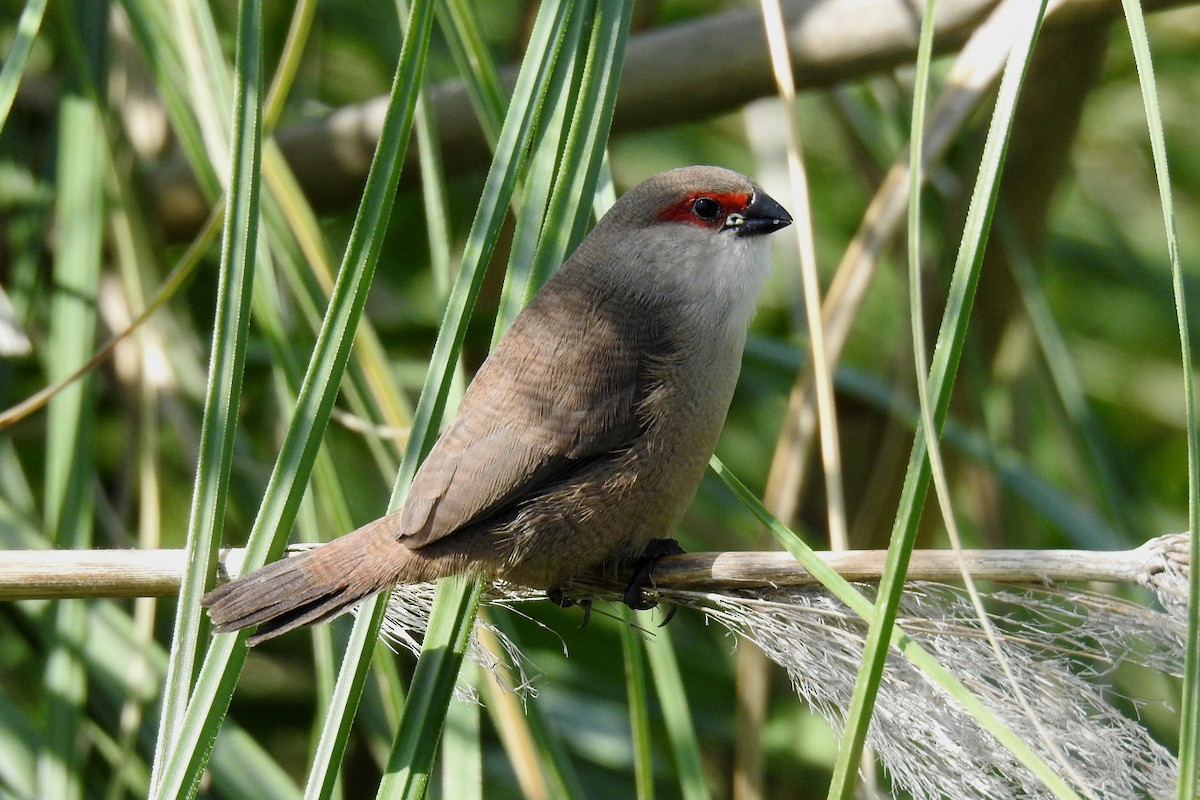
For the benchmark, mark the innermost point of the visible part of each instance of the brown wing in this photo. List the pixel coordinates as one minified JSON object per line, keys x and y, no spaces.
{"x":561,"y":387}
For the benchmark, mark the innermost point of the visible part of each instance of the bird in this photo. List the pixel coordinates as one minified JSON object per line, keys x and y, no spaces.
{"x":584,"y":435}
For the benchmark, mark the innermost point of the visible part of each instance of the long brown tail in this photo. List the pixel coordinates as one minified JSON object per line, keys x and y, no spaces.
{"x":311,"y":587}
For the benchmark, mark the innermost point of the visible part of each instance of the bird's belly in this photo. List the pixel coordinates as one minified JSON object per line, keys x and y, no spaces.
{"x":608,"y":512}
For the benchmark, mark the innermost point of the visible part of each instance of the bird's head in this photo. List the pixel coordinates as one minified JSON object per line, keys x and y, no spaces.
{"x":694,"y":234}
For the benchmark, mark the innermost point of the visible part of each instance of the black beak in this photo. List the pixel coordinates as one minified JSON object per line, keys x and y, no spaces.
{"x":763,"y":215}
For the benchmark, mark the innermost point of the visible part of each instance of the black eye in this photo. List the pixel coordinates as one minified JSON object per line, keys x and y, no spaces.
{"x":706,"y":208}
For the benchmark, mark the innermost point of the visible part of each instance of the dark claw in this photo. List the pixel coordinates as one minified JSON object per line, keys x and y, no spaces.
{"x":586,"y":605}
{"x":560,"y":599}
{"x":643,"y":574}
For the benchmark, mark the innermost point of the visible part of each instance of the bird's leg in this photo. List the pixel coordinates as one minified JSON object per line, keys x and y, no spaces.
{"x":643,"y":570}
{"x":560,"y":599}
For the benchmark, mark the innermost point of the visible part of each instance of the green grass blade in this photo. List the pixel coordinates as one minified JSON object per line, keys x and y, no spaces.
{"x":20,"y":741}
{"x":475,"y":65}
{"x":450,"y":624}
{"x":481,"y":241}
{"x":347,"y":691}
{"x":218,"y":676}
{"x":519,"y":284}
{"x":571,"y":202}
{"x":1189,"y":719}
{"x":238,"y":252}
{"x":462,"y":748}
{"x":70,"y":462}
{"x":433,"y":196}
{"x":157,"y":38}
{"x":553,"y":31}
{"x":639,"y":705}
{"x":18,"y":55}
{"x":668,"y":684}
{"x":947,"y":354}
{"x":207,"y":75}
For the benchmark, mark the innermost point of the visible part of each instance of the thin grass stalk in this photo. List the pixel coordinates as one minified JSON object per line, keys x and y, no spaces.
{"x":383,"y":715}
{"x":208,"y":77}
{"x":433,"y":195}
{"x":238,"y":256}
{"x":822,"y":362}
{"x":505,"y":706}
{"x":533,"y":765}
{"x":537,"y":184}
{"x":1189,"y":717}
{"x":542,"y":211}
{"x":323,"y":649}
{"x":559,"y":778}
{"x":182,"y":272}
{"x":134,"y":253}
{"x":921,"y":363}
{"x":289,"y":62}
{"x":1068,"y":383}
{"x":534,"y":217}
{"x":751,"y":665}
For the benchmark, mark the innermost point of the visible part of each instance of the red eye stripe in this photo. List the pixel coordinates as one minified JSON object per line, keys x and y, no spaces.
{"x":681,"y":211}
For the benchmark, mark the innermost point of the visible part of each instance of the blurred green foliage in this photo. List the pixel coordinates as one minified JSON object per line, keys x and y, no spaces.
{"x":1101,"y":267}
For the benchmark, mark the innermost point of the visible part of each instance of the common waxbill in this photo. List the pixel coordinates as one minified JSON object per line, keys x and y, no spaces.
{"x":584,"y":435}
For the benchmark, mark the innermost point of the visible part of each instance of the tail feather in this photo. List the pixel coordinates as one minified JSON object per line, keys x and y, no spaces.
{"x":311,"y":587}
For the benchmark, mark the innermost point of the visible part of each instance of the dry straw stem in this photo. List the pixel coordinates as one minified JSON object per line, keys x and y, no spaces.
{"x":1160,"y":564}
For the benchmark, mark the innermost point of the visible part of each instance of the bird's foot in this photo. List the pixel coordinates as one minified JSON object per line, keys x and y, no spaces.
{"x":560,"y":599}
{"x":643,"y":575}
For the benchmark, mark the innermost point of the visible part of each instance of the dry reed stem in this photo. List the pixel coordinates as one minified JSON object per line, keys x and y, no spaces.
{"x":1160,"y":564}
